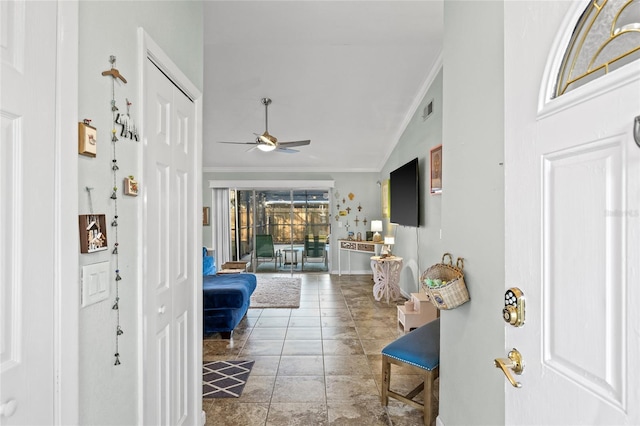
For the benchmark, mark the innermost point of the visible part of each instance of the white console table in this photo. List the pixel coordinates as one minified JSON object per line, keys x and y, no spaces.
{"x":349,"y":246}
{"x":386,"y":277}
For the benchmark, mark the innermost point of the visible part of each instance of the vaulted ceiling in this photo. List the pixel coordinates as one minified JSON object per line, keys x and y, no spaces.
{"x":345,"y":74}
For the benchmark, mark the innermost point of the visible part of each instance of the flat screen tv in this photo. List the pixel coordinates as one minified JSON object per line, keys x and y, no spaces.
{"x":404,"y":194}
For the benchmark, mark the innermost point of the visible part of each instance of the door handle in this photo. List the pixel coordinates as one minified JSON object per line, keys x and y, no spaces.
{"x":636,"y":130}
{"x":514,"y":363}
{"x":162,"y":309}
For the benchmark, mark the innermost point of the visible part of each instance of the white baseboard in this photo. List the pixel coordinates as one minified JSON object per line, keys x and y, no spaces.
{"x":346,"y":273}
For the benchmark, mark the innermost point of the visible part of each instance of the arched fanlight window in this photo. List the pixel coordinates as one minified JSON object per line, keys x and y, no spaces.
{"x":606,"y":37}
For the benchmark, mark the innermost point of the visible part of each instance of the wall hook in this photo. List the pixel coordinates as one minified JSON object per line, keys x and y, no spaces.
{"x":113,"y":72}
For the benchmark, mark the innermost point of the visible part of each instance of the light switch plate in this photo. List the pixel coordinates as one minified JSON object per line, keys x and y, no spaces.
{"x":95,"y":283}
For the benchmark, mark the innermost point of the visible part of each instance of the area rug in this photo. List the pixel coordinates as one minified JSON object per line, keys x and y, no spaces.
{"x":276,"y":292}
{"x":225,"y":379}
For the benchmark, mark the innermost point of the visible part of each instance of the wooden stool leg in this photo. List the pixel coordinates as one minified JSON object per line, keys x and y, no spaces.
{"x":429,"y":378}
{"x":386,"y":380}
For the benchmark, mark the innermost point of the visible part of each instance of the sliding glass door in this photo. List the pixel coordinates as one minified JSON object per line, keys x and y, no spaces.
{"x":280,"y":230}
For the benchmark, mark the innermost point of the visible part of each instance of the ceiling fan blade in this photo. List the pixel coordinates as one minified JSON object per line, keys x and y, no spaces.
{"x":239,"y":143}
{"x":294,"y":143}
{"x":287,"y":150}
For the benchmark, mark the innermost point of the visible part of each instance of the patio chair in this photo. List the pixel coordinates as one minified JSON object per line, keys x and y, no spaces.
{"x":265,"y":252}
{"x":314,"y":248}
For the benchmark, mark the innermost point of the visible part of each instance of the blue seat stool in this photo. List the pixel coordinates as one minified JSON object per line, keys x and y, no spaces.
{"x":419,"y":349}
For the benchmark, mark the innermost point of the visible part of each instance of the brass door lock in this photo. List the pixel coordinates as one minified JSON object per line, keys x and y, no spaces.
{"x":513,"y":312}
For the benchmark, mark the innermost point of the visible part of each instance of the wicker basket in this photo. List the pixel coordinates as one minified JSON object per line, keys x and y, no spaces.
{"x":452,"y":294}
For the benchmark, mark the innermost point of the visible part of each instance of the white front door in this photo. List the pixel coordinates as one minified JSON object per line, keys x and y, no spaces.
{"x":573,"y":248}
{"x":27,"y":225}
{"x":172,"y":271}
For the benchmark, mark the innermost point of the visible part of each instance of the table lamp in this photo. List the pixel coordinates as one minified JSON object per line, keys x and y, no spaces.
{"x":376,"y":228}
{"x":388,"y":242}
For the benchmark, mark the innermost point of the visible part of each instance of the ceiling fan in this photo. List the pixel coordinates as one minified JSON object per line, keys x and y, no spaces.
{"x":266,"y":142}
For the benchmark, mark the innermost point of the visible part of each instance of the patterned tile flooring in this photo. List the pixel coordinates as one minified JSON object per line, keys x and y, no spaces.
{"x":316,"y":365}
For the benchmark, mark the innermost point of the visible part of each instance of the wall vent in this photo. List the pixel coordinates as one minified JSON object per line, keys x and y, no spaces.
{"x":427,"y":111}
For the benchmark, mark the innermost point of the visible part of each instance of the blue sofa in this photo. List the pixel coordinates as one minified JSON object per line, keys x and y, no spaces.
{"x":225,"y":301}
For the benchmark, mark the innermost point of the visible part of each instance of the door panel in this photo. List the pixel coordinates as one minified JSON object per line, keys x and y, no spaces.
{"x":158,"y":271}
{"x":27,"y":228}
{"x":581,"y":188}
{"x":184,"y":246}
{"x":576,"y":230}
{"x":170,"y":175}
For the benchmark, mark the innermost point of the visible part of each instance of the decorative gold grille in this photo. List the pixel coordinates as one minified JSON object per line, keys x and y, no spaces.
{"x":606,"y":38}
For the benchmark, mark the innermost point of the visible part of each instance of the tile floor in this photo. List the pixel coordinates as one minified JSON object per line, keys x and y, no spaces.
{"x":316,"y":365}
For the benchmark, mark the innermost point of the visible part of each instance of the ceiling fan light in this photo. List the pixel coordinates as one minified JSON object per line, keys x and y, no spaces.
{"x":268,"y":139}
{"x":266,"y":148}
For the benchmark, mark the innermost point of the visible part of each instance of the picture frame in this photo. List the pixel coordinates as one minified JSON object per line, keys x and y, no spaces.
{"x":435,"y":176}
{"x":205,"y":216}
{"x":93,"y":232}
{"x":384,"y":196}
{"x":130,"y":186}
{"x":87,"y":140}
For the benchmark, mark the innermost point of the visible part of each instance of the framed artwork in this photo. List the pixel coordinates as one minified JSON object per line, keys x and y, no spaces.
{"x":436,"y":170}
{"x":386,"y":211}
{"x":130,"y":186}
{"x":93,"y":232}
{"x":87,"y":139}
{"x":205,"y":216}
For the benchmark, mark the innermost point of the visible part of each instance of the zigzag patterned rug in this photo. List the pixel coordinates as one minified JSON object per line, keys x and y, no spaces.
{"x":225,"y":379}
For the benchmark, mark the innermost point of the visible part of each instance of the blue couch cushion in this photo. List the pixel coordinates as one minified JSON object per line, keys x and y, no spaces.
{"x":208,"y":263}
{"x":229,"y":291}
{"x":420,"y":347}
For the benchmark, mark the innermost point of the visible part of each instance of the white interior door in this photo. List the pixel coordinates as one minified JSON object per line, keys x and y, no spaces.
{"x":172,"y":261}
{"x":27,"y":241}
{"x":574,"y":244}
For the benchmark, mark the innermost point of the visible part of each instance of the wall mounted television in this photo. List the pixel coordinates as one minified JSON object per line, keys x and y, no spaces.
{"x":404,"y":194}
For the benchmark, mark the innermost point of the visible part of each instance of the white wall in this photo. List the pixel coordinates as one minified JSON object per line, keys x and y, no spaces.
{"x":419,"y":247}
{"x":108,"y":393}
{"x":471,"y":389}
